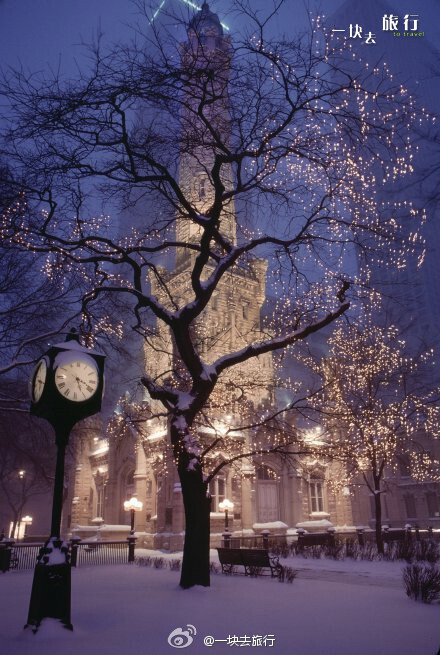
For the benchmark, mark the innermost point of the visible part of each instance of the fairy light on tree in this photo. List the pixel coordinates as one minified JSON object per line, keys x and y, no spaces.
{"x":260,"y":172}
{"x":378,"y":407}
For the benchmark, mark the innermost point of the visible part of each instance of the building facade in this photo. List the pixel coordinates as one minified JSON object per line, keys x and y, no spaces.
{"x":268,"y":491}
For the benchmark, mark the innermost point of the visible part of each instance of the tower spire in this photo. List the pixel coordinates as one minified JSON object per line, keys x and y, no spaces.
{"x":206,"y":22}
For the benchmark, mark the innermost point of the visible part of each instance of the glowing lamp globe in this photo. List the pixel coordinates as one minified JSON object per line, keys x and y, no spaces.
{"x":226,"y":505}
{"x":133,"y":504}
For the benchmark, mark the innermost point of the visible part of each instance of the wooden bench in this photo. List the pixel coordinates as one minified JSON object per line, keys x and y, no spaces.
{"x":253,"y":559}
{"x":315,"y":539}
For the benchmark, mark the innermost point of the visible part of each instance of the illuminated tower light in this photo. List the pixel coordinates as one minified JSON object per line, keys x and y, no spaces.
{"x":191,"y":4}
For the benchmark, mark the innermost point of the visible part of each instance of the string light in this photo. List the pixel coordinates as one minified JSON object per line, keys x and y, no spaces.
{"x":324,"y":170}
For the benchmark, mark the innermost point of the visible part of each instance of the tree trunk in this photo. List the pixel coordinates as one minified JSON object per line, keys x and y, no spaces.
{"x":195,"y":563}
{"x":378,"y":516}
{"x":197,"y":505}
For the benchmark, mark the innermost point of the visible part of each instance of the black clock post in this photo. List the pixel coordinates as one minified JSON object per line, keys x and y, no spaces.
{"x":66,"y":387}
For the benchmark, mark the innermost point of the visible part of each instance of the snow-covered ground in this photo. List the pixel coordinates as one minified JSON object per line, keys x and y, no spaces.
{"x":381,"y":573}
{"x":332,"y":608}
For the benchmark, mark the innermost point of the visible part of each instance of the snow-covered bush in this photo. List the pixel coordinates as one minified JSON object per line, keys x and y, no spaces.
{"x":427,"y":550}
{"x":214,"y":567}
{"x":281,"y":550}
{"x":289,"y":574}
{"x":422,"y":582}
{"x":336,"y":550}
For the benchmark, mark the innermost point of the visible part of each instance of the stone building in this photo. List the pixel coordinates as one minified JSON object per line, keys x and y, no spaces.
{"x":268,"y":492}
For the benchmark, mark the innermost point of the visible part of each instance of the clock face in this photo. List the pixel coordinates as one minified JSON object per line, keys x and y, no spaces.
{"x":77,"y":380}
{"x":39,"y":380}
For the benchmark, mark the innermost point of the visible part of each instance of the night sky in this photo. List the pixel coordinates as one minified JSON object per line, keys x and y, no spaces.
{"x":41,"y":33}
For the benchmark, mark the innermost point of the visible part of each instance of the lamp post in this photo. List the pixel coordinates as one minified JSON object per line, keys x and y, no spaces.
{"x":66,"y":386}
{"x":133,"y":505}
{"x":226,"y":506}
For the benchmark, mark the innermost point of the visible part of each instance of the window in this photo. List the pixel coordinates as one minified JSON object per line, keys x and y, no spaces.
{"x":316,"y":495}
{"x":410,"y":506}
{"x":266,"y":473}
{"x":202,"y":188}
{"x":404,"y":467}
{"x":91,"y":498}
{"x":245,"y":312}
{"x":217,"y":489}
{"x":100,"y":492}
{"x":129,"y":485}
{"x":433,"y":504}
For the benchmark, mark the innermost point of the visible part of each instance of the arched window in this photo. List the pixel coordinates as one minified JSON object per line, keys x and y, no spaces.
{"x":316,"y":488}
{"x":268,"y":507}
{"x":217,"y":489}
{"x":266,"y":473}
{"x":129,"y":484}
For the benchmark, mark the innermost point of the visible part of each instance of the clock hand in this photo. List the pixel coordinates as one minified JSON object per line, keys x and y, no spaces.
{"x":86,"y":382}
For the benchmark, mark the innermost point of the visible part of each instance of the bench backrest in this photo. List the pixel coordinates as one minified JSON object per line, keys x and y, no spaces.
{"x":229,"y":555}
{"x":255,"y":557}
{"x":245,"y":556}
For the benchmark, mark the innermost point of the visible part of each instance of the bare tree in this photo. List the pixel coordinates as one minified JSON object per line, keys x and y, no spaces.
{"x":26,"y":463}
{"x":237,"y":156}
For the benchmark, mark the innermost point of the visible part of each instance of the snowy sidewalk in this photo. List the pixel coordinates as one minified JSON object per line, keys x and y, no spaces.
{"x":363,"y":572}
{"x":131,"y":610}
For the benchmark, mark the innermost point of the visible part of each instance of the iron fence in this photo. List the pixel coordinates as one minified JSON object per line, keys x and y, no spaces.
{"x":348,"y":539}
{"x":22,"y":557}
{"x":97,"y":553}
